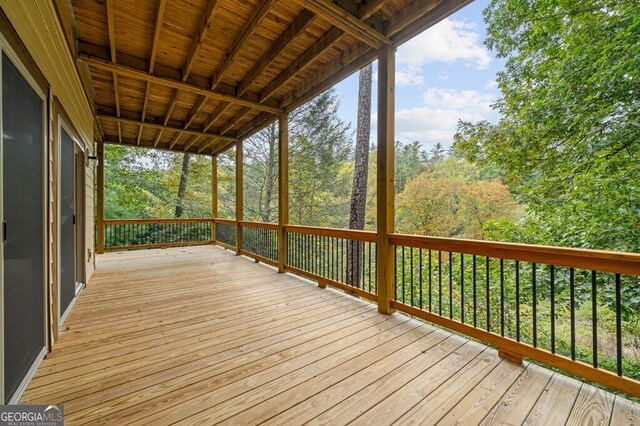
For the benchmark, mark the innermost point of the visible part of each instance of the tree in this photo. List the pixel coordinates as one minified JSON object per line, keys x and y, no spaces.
{"x":182,"y":187}
{"x":569,"y":139}
{"x":357,"y":211}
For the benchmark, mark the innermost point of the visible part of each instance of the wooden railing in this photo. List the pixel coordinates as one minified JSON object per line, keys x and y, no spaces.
{"x":525,"y":300}
{"x":342,"y":258}
{"x":560,"y":306}
{"x":260,"y":241}
{"x":155,"y":233}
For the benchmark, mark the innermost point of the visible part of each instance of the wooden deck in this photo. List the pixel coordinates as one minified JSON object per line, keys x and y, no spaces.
{"x":198,"y":335}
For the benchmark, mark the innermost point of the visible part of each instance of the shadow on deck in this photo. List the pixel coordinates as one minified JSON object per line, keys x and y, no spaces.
{"x":200,"y":336}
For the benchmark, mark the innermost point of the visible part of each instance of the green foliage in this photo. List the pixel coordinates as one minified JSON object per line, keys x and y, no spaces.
{"x":142,"y":183}
{"x":450,"y":200}
{"x":569,"y":139}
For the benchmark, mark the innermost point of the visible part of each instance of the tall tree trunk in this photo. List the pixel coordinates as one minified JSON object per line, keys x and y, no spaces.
{"x":357,"y":213}
{"x":270,"y":178}
{"x":182,"y":187}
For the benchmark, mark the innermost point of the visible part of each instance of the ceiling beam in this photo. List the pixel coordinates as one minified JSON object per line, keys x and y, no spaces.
{"x":158,"y":126}
{"x":156,"y":34}
{"x":348,"y":23}
{"x":302,"y":62}
{"x":249,"y":29}
{"x":220,"y":109}
{"x":152,"y":57}
{"x":111,"y":25}
{"x":203,"y":29}
{"x":290,"y":35}
{"x":167,"y":82}
{"x":149,"y":145}
{"x":324,"y":43}
{"x":234,"y":120}
{"x":370,"y":7}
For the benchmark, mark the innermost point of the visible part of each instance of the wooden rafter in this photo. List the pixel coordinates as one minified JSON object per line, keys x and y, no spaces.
{"x":250,"y":28}
{"x":220,"y":109}
{"x":157,"y":139}
{"x":203,"y":29}
{"x":324,"y":43}
{"x":167,"y":82}
{"x":162,"y":127}
{"x":152,"y":59}
{"x":206,"y":145}
{"x":370,"y":7}
{"x":191,"y":142}
{"x":348,"y":23}
{"x":290,"y":35}
{"x":172,"y":105}
{"x":234,"y":120}
{"x":112,"y":50}
{"x":175,"y":140}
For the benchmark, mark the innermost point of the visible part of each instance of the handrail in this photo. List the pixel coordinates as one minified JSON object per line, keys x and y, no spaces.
{"x":227,"y":221}
{"x":262,"y":225}
{"x":595,"y":260}
{"x":351,"y":234}
{"x":152,"y":221}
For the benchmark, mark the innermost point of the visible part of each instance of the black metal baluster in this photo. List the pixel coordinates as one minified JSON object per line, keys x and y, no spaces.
{"x":488,"y":295}
{"x":361,"y":255}
{"x":517,"y":300}
{"x":411,"y":274}
{"x":403,"y":278}
{"x":572,"y":308}
{"x":502,"y":297}
{"x":439,"y":283}
{"x":450,"y":285}
{"x":369,"y":262}
{"x":395,"y":274}
{"x":430,"y":281}
{"x":462,"y":288}
{"x":475,"y":300}
{"x":594,"y":318}
{"x":618,"y":325}
{"x":420,"y":276}
{"x":535,"y":305}
{"x":553,"y":309}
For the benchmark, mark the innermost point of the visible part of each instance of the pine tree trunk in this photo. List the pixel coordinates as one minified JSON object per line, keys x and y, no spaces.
{"x":270,"y":178}
{"x":182,"y":187}
{"x":357,"y":213}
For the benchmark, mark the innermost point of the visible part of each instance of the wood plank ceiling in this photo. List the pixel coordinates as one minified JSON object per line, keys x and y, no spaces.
{"x":198,"y":75}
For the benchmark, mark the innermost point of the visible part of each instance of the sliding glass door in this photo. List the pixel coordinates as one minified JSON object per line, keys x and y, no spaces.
{"x":23,"y":210}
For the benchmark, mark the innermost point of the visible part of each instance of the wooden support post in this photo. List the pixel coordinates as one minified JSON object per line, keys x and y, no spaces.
{"x":385,"y":172}
{"x":283,"y":189}
{"x":239,"y":196}
{"x":100,"y":200}
{"x":214,"y":195}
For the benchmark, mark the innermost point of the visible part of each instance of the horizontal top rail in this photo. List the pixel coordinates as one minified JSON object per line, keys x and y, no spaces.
{"x":262,"y":225}
{"x":228,"y":221}
{"x":153,"y":221}
{"x":596,"y":260}
{"x":350,"y":234}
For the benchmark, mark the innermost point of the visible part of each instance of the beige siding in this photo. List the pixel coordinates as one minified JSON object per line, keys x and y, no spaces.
{"x":36,"y":23}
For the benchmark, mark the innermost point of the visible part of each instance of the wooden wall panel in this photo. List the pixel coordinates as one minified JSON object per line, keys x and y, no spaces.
{"x":38,"y":27}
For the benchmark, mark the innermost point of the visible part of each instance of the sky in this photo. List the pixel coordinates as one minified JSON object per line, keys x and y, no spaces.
{"x":442,"y":75}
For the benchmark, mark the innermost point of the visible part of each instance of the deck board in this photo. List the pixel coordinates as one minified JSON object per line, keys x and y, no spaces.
{"x":197,"y":335}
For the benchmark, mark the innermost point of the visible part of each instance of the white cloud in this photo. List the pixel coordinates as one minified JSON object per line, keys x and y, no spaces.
{"x":491,"y":85}
{"x":448,"y":41}
{"x":436,"y":120}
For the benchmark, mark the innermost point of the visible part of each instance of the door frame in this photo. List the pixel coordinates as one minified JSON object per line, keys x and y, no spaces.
{"x":6,"y":48}
{"x":79,"y":229}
